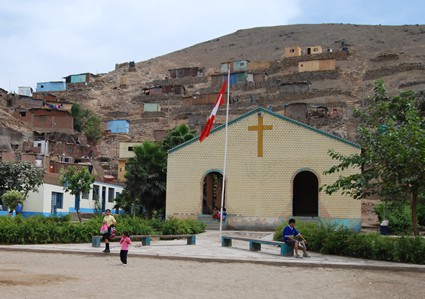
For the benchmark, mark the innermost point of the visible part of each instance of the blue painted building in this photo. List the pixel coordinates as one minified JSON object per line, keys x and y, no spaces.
{"x":119,"y":126}
{"x":79,"y":78}
{"x":51,"y":86}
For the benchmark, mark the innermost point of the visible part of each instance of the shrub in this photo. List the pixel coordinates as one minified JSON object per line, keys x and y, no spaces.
{"x":175,"y":226}
{"x":328,"y":239}
{"x":398,"y":214}
{"x":59,"y":229}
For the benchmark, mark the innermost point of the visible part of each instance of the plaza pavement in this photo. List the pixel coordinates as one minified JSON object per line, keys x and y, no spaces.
{"x":208,"y":249}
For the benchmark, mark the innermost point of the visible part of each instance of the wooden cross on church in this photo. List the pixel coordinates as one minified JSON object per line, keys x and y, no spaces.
{"x":260,"y":128}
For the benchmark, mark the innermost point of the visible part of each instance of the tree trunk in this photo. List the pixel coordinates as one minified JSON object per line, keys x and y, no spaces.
{"x":78,"y":214}
{"x":77,"y":206}
{"x":414,"y":204}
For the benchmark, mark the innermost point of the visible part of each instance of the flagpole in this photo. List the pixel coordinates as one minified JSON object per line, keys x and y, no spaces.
{"x":225,"y":151}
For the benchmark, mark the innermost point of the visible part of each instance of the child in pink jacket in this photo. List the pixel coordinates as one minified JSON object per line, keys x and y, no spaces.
{"x":125,"y":242}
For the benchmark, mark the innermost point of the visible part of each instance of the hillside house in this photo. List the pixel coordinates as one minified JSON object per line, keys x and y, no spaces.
{"x":51,"y":86}
{"x":52,"y":101}
{"x":118,"y":126}
{"x":317,"y":65}
{"x":125,"y":152}
{"x":255,"y":66}
{"x":46,"y":120}
{"x":151,"y":107}
{"x":131,"y":66}
{"x":25,"y":91}
{"x":58,"y":150}
{"x":79,"y":78}
{"x":48,"y":97}
{"x":235,"y":78}
{"x":165,"y":89}
{"x":123,"y":81}
{"x":235,"y":66}
{"x":292,"y":51}
{"x":28,"y":102}
{"x":314,"y":50}
{"x":186,"y":72}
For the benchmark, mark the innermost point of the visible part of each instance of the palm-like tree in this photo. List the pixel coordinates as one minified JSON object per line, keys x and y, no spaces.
{"x":177,"y":135}
{"x":146,"y":176}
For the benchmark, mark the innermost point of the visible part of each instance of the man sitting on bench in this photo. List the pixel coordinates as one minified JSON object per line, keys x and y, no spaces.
{"x":290,"y":235}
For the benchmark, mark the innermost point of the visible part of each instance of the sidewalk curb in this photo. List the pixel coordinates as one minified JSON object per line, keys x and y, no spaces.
{"x":284,"y":263}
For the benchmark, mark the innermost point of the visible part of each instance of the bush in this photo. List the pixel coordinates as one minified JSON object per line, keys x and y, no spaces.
{"x":328,"y":239}
{"x":399,"y":216}
{"x":175,"y":226}
{"x":60,"y":229}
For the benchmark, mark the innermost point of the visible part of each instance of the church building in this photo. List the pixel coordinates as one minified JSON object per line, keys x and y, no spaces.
{"x":274,"y":169}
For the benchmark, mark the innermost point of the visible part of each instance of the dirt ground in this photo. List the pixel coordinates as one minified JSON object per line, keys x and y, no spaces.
{"x":48,"y":275}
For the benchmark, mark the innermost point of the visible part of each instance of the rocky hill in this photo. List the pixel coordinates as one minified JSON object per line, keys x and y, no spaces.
{"x":361,"y":54}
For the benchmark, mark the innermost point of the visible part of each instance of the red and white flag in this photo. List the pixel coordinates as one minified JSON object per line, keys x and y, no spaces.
{"x":220,"y":100}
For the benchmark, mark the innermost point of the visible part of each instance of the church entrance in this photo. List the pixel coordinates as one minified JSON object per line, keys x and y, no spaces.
{"x":212,"y":186}
{"x":305,"y":194}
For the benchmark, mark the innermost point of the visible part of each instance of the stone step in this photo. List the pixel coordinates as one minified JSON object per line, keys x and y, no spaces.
{"x":211,"y":223}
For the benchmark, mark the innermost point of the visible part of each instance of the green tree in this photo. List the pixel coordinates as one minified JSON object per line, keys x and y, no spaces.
{"x":92,"y":128}
{"x":127,"y":203}
{"x":21,"y":176}
{"x":177,"y":135}
{"x":76,"y":182}
{"x":86,"y":122}
{"x":79,"y":116}
{"x":11,"y":199}
{"x":146,"y":176}
{"x":392,"y":160}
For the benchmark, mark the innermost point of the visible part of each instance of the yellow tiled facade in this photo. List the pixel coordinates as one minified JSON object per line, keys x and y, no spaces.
{"x":259,"y":187}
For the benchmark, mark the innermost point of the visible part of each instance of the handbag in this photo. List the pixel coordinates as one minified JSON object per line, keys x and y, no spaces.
{"x":113,"y":232}
{"x":104,"y":229}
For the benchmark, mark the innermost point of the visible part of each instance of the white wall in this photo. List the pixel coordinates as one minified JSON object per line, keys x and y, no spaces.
{"x":41,"y":202}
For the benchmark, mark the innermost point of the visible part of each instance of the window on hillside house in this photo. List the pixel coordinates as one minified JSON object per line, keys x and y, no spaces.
{"x":85,"y":195}
{"x":130,"y":148}
{"x":292,"y":51}
{"x":23,"y":114}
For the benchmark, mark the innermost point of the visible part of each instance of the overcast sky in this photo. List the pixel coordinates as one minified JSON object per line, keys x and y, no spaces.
{"x":46,"y":40}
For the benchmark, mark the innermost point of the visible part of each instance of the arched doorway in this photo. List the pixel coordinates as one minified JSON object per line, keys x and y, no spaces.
{"x":305,"y":194}
{"x":212,"y":186}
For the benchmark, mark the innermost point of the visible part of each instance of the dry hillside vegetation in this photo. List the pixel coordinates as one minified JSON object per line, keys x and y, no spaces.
{"x":392,"y":53}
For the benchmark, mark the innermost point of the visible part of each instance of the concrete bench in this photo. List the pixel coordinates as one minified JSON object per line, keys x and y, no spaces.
{"x":255,"y":244}
{"x":146,"y":239}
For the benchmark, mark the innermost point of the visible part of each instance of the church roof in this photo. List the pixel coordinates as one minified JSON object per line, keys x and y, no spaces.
{"x":262,"y":110}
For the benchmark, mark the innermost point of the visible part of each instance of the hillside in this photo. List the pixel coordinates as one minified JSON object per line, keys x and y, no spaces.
{"x":392,"y":53}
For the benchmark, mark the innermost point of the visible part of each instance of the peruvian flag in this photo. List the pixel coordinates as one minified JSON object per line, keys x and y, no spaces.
{"x":220,"y":100}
